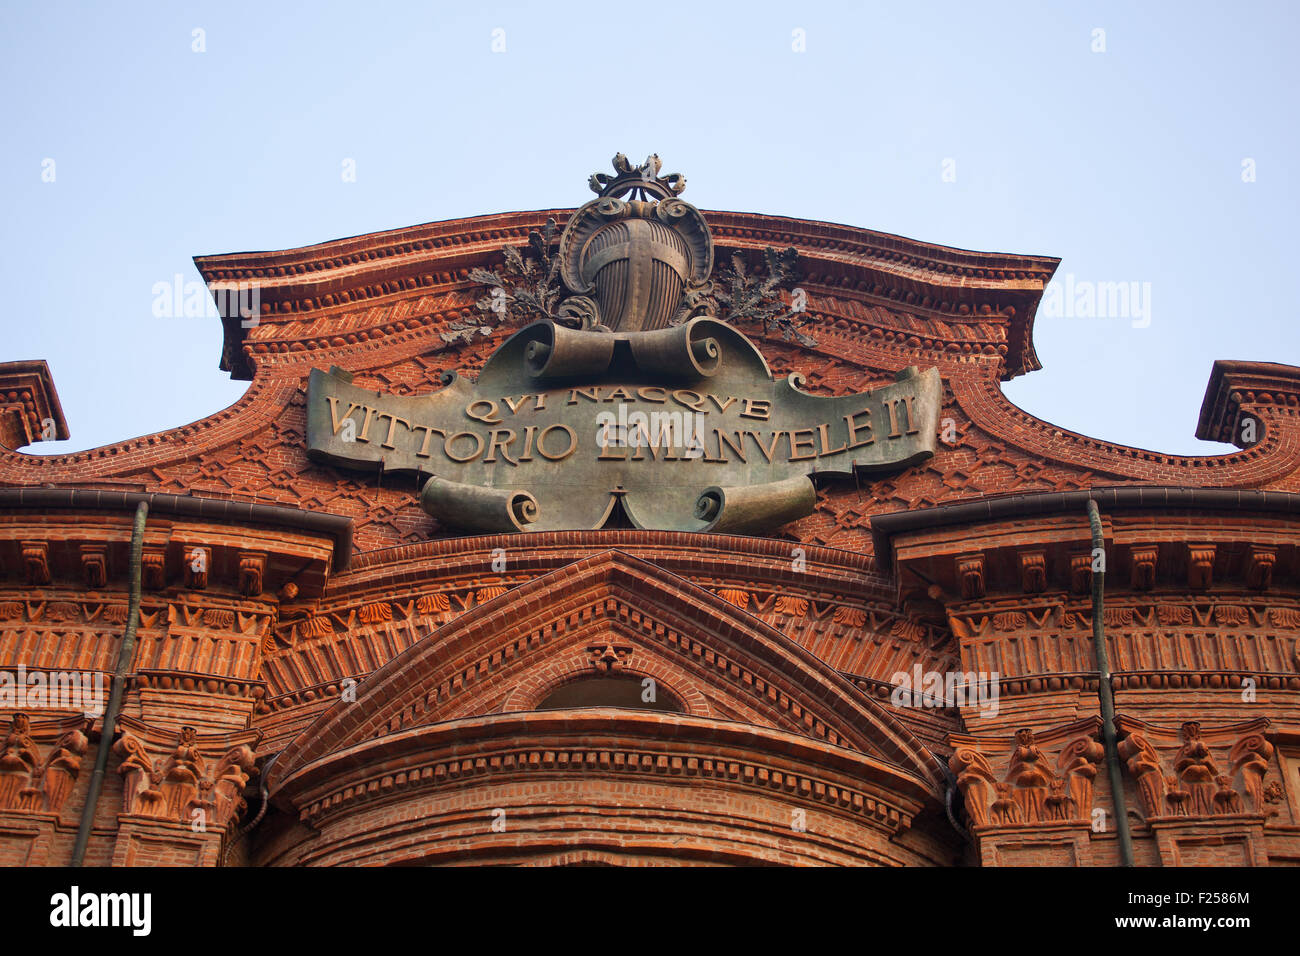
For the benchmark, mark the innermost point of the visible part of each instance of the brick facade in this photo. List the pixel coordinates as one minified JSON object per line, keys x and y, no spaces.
{"x":346,"y":682}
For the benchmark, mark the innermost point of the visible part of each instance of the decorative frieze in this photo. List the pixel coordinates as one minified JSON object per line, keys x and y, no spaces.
{"x":1184,"y":773}
{"x":376,"y":613}
{"x":180,"y":781}
{"x":735,"y":596}
{"x":585,"y":763}
{"x":1014,"y":781}
{"x":31,"y":783}
{"x":435,"y":603}
{"x":192,"y":681}
{"x":792,"y":606}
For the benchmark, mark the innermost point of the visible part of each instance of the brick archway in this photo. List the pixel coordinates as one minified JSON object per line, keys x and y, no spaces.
{"x":692,"y":701}
{"x":529,"y":637}
{"x":605,"y":784}
{"x":444,"y":742}
{"x":580,"y":662}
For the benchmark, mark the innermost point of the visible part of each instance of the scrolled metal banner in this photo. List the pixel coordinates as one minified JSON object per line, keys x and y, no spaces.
{"x":683,"y":427}
{"x":554,"y":353}
{"x":476,"y":508}
{"x":751,"y":509}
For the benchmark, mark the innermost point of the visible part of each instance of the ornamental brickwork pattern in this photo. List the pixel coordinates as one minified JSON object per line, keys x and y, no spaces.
{"x":425,"y":654}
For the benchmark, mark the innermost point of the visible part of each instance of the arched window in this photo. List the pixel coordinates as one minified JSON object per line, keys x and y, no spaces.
{"x":635,"y":693}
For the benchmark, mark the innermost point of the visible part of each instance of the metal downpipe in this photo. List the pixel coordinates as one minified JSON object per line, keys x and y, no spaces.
{"x":124,"y":654}
{"x":1104,"y":691}
{"x":261,"y":811}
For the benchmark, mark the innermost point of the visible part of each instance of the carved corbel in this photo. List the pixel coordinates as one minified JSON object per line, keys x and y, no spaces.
{"x":154,"y":568}
{"x":27,"y":783}
{"x":1143,"y":765}
{"x":182,"y":772}
{"x":1200,"y":566}
{"x":1033,"y":571}
{"x":36,"y":561}
{"x":1144,"y":567}
{"x":94,"y":565}
{"x":1192,"y":783}
{"x":1046,"y":777}
{"x":252,"y":565}
{"x":970,"y":575}
{"x":139,"y":778}
{"x":197,"y":562}
{"x":1030,"y":775}
{"x":1196,"y":770}
{"x":182,"y":785}
{"x":1259,"y":567}
{"x":1081,"y":572}
{"x":229,"y":779}
{"x":1078,"y":765}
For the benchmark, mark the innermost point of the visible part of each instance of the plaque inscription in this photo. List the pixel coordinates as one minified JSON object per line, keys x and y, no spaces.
{"x":685,"y":425}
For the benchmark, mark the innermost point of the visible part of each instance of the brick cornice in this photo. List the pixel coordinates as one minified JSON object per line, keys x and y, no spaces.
{"x":600,"y":741}
{"x":767,"y":560}
{"x":29,"y":405}
{"x":994,"y":508}
{"x":410,"y":325}
{"x":988,"y":269}
{"x":1235,"y":387}
{"x":953,"y":284}
{"x":183,"y":507}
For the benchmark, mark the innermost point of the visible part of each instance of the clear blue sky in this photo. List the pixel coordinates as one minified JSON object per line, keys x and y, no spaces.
{"x":1126,"y":164}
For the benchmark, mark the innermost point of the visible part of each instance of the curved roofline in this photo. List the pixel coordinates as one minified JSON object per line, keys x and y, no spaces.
{"x":943,"y":282}
{"x":249,"y":255}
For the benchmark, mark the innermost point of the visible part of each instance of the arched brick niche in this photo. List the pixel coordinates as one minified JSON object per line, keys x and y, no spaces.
{"x":628,"y":690}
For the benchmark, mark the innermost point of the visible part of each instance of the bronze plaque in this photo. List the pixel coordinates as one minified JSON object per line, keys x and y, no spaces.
{"x":684,"y":424}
